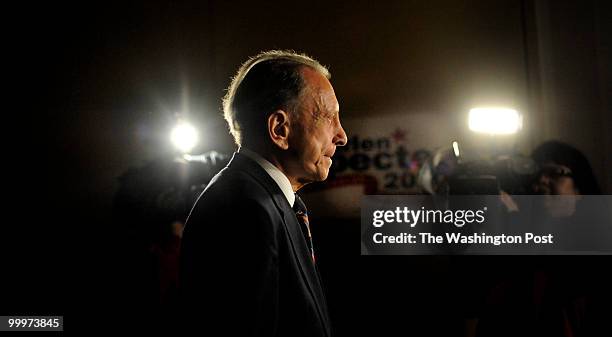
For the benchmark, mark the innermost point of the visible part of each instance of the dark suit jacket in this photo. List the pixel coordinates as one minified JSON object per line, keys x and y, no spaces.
{"x":245,"y":265}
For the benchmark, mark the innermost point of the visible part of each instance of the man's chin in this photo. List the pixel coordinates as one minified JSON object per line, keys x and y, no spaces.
{"x":318,"y":177}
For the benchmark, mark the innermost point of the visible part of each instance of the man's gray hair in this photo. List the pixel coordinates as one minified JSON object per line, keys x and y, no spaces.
{"x":266,"y":82}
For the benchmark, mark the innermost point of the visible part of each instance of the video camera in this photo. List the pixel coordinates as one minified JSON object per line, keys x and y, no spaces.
{"x":447,"y":173}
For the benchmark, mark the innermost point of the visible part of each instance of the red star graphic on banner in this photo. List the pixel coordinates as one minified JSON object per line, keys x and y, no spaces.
{"x":399,"y":135}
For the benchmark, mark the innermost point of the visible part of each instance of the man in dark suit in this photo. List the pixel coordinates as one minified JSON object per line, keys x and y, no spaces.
{"x":248,"y":267}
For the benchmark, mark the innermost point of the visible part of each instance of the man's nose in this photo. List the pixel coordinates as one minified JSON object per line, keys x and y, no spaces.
{"x":340,"y":137}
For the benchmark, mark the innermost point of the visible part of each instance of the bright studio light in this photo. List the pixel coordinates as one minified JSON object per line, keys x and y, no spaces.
{"x":184,"y":137}
{"x":495,"y":121}
{"x":456,"y":149}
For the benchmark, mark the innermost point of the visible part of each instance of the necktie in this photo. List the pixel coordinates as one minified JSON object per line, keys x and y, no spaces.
{"x":302,"y":216}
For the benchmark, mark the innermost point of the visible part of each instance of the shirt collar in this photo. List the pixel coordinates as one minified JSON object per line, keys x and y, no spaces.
{"x":279,"y":177}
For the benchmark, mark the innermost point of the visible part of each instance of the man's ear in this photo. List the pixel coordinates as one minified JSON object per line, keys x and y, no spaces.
{"x":278,"y":128}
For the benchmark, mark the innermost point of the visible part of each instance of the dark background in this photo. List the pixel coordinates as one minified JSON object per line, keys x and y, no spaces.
{"x":93,"y":88}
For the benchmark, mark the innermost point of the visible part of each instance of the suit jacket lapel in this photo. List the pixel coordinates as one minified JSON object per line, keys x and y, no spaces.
{"x":297,"y":241}
{"x":307,"y":267}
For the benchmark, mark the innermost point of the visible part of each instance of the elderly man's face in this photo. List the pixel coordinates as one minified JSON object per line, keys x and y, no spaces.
{"x":315,"y":129}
